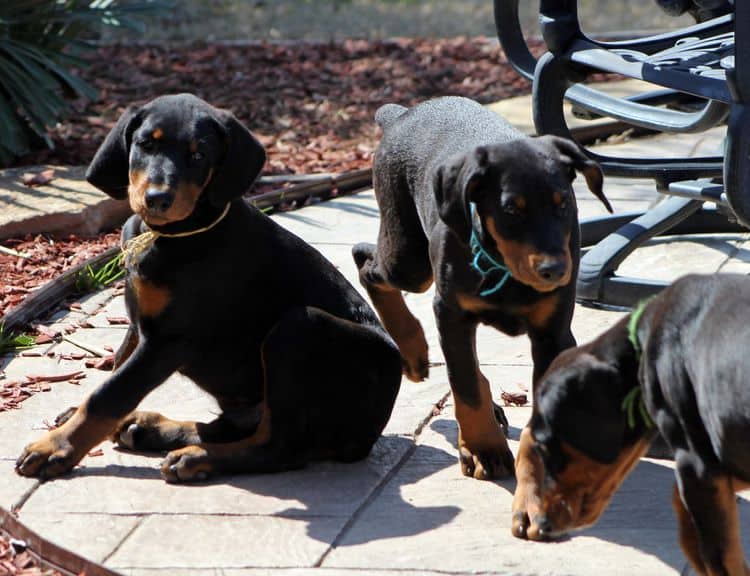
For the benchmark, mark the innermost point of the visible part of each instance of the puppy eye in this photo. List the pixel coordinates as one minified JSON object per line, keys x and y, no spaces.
{"x":562,"y":206}
{"x":196,"y":156}
{"x":146,"y":144}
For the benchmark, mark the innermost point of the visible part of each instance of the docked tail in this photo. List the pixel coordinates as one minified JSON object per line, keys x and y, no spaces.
{"x":387,"y":113}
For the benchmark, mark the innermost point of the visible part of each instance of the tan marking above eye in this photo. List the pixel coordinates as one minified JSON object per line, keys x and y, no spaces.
{"x":193,"y":146}
{"x":520,"y":202}
{"x":157,"y":134}
{"x":557,"y":198}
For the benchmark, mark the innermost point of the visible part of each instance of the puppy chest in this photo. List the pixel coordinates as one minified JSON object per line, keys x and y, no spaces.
{"x":150,"y":298}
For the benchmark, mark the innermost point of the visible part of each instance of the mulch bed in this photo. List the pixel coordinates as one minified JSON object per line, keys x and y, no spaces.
{"x":47,"y":258}
{"x":311,"y":104}
{"x":16,"y":560}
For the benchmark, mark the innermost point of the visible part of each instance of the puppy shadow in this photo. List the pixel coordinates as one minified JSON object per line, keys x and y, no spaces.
{"x":639,"y":516}
{"x":327,"y":495}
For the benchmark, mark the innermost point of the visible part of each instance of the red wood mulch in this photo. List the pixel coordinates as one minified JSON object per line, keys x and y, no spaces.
{"x":311,"y":104}
{"x":15,"y":560}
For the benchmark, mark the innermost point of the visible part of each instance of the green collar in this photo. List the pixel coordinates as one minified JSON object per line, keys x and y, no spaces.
{"x":635,"y":317}
{"x":634,"y":398}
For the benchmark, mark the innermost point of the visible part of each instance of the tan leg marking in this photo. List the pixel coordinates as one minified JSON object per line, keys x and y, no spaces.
{"x":482,"y":446}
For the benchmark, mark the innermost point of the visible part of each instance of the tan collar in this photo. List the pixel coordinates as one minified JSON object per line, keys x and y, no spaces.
{"x":138,"y":244}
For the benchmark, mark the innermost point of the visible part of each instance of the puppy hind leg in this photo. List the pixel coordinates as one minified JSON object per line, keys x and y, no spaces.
{"x":710,"y":503}
{"x":689,"y":540}
{"x":331,"y":402}
{"x":143,"y":431}
{"x":398,"y":320}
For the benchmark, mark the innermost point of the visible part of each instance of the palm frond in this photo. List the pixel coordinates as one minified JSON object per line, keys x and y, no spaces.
{"x":40,"y":41}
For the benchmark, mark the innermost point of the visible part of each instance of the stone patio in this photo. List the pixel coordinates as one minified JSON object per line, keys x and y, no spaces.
{"x":405,"y":510}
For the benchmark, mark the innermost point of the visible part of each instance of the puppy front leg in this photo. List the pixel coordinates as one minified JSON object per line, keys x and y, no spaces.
{"x":59,"y":450}
{"x":482,"y":447}
{"x":527,"y":498}
{"x":529,"y":466}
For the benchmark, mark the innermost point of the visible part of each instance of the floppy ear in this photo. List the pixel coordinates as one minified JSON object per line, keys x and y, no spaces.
{"x":580,"y":404}
{"x":585,"y":165}
{"x":108,"y":170}
{"x":455,"y":185}
{"x":243,"y":160}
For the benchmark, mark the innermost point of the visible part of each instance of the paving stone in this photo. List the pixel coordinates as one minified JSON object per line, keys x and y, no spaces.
{"x":28,"y":422}
{"x":18,"y":367}
{"x":435,"y":505}
{"x":277,"y":572}
{"x":97,"y":338}
{"x":13,"y":487}
{"x":133,"y":486}
{"x":520,"y":112}
{"x":115,"y":308}
{"x":345,"y":220}
{"x":67,"y":205}
{"x":668,"y":259}
{"x":91,"y":303}
{"x":228,"y":541}
{"x":93,"y":536}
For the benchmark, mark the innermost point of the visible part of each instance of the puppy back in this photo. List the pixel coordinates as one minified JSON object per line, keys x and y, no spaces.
{"x":387,"y":113}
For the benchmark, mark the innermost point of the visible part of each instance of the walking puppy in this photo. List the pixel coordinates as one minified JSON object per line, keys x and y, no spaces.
{"x":296,"y":359}
{"x":489,"y":215}
{"x":677,"y":366}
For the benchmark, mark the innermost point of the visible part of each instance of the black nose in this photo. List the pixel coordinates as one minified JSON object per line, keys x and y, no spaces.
{"x":158,"y":199}
{"x":551,"y":270}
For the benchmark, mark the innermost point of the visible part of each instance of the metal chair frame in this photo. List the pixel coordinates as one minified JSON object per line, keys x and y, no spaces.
{"x":692,"y":65}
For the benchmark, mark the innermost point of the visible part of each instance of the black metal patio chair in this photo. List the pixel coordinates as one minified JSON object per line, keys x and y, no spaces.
{"x":699,"y":82}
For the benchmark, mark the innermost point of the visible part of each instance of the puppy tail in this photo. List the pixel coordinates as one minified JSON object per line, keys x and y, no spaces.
{"x":387,"y":113}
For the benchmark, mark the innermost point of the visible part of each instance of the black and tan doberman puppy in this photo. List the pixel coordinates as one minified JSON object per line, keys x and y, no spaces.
{"x":677,"y":365}
{"x":296,"y":359}
{"x":489,"y":214}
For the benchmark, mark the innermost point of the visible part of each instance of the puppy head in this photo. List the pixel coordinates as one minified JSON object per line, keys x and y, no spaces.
{"x":523,"y":193}
{"x":581,"y":434}
{"x":173,"y":151}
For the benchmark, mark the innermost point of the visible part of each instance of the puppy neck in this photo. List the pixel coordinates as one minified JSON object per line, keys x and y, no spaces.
{"x":489,"y":265}
{"x":203,"y":218}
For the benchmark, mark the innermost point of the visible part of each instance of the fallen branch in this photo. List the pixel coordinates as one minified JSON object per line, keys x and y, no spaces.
{"x":319,"y":186}
{"x":92,"y":349}
{"x":11,"y":252}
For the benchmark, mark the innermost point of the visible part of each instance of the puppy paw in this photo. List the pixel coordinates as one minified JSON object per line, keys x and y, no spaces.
{"x":50,"y":457}
{"x":416,"y":370}
{"x":189,"y":464}
{"x":528,"y":522}
{"x":414,"y":352}
{"x":534,"y":527}
{"x":486,"y":464}
{"x":152,"y":432}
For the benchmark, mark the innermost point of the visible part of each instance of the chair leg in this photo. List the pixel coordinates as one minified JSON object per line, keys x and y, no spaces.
{"x":597,"y":282}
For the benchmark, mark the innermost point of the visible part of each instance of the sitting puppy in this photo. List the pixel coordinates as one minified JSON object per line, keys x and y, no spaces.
{"x":677,"y":365}
{"x":296,"y":359}
{"x":488,"y":214}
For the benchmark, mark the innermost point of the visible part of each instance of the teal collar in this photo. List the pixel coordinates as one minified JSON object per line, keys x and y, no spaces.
{"x":480,"y":255}
{"x":634,"y":399}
